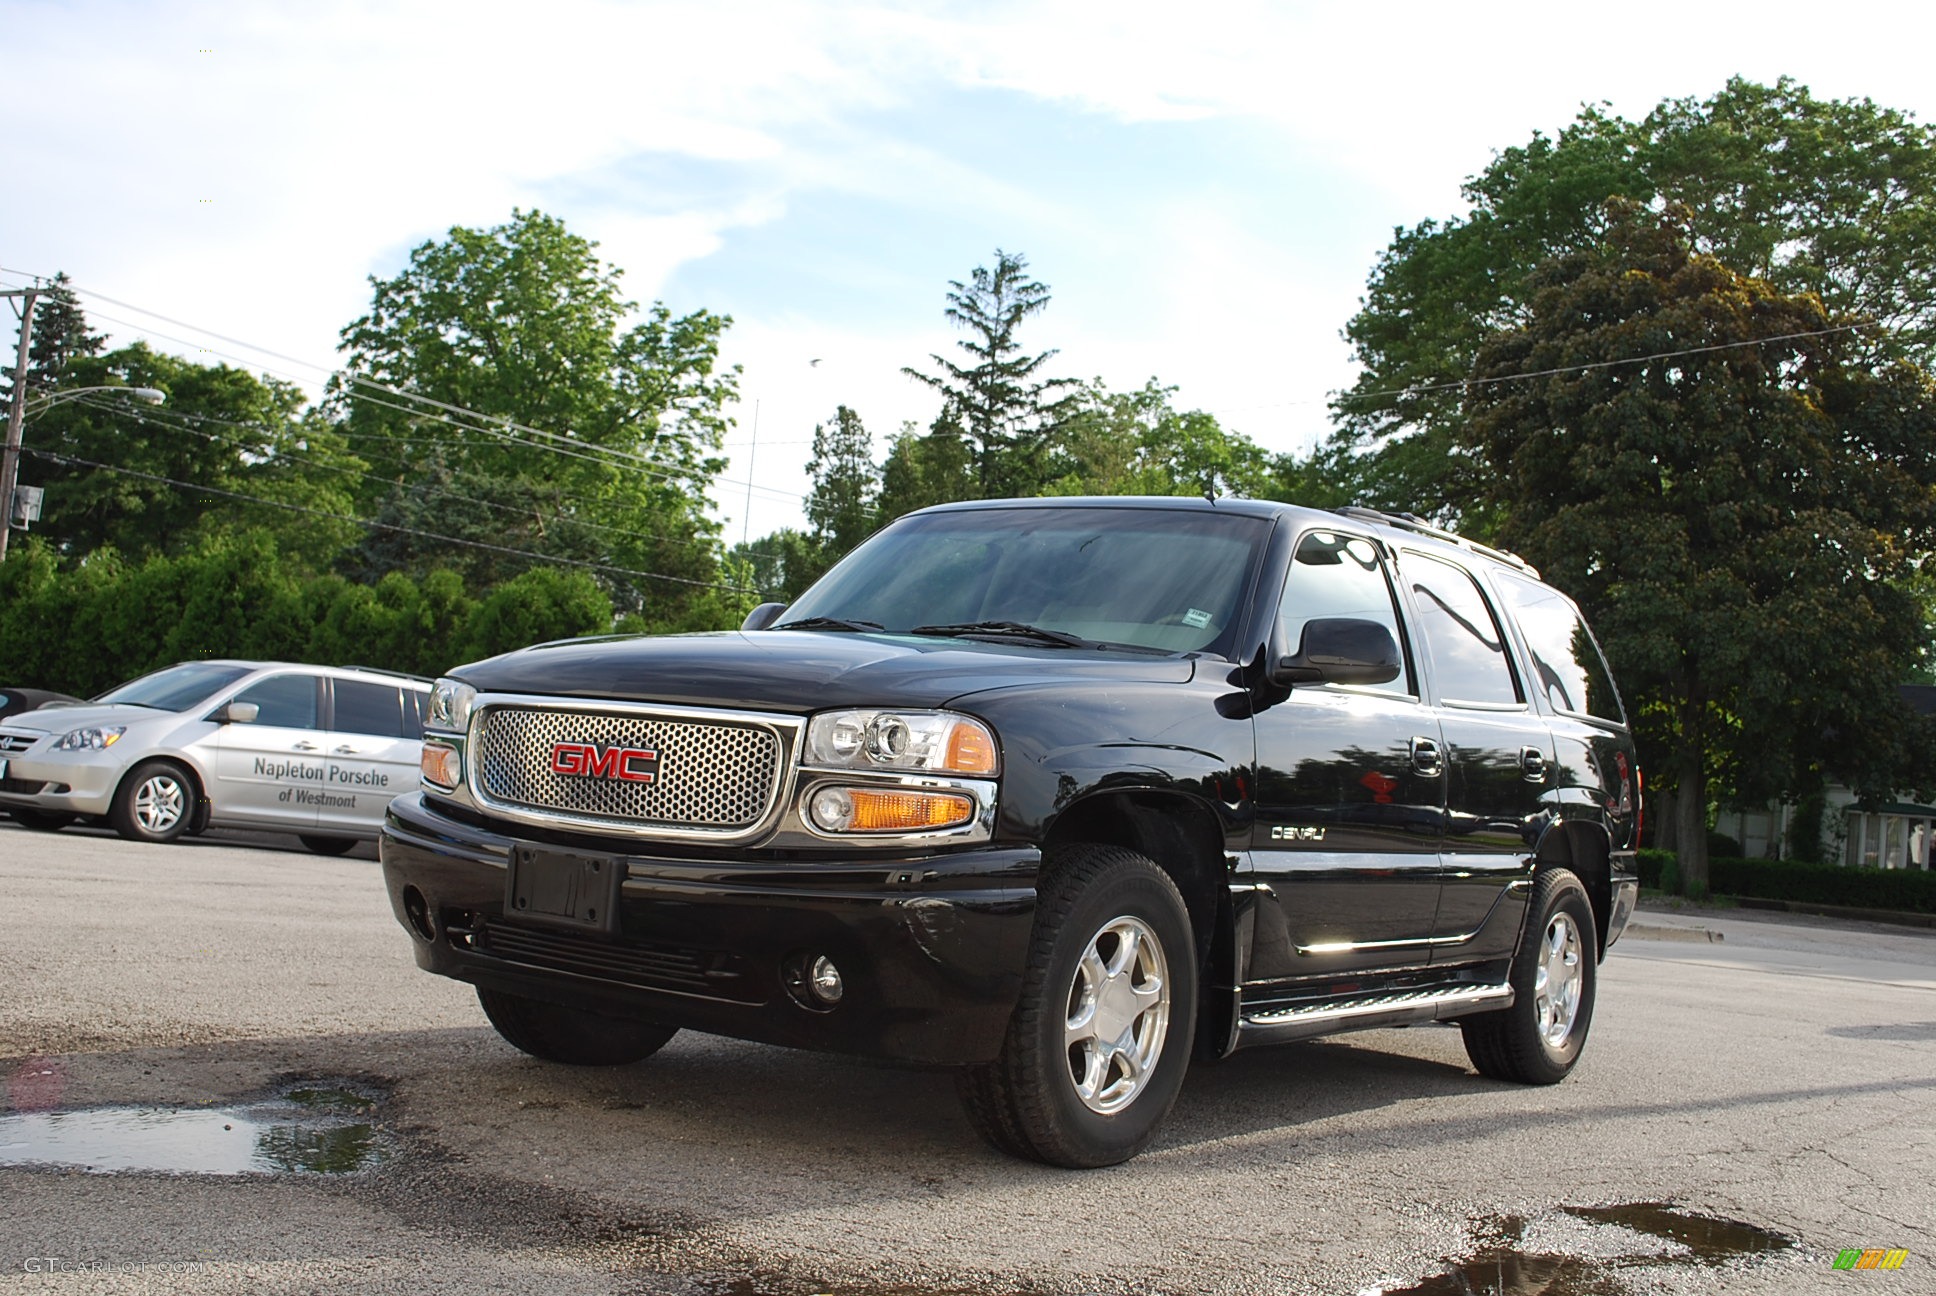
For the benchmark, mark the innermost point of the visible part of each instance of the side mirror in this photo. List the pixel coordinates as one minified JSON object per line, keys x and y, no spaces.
{"x":763,"y":616}
{"x":237,"y":713}
{"x":1341,"y":650}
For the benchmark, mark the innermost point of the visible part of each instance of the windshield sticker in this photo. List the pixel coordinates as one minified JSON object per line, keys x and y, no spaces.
{"x":1196,"y":618}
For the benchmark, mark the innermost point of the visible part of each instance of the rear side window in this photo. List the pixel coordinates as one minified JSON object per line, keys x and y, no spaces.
{"x":376,"y":709}
{"x":1567,"y":665}
{"x":1469,"y":662}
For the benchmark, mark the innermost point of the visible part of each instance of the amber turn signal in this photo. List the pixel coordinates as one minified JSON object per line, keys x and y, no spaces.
{"x":441,"y":765}
{"x":880,"y":810}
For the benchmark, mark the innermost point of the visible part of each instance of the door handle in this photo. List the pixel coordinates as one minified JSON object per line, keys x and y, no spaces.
{"x":346,"y":751}
{"x":1532,"y":761}
{"x":1427,"y":760}
{"x":306,"y":746}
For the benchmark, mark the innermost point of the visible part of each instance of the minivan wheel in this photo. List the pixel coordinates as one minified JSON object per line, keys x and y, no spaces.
{"x":153,"y":803}
{"x":573,"y":1036}
{"x":1554,"y":974}
{"x":1100,"y":1040}
{"x":326,"y":845}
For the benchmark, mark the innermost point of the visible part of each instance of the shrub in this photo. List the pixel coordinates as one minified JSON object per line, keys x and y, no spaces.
{"x":1903,"y":890}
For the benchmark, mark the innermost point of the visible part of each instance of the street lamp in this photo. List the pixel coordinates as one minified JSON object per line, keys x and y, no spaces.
{"x":47,"y":400}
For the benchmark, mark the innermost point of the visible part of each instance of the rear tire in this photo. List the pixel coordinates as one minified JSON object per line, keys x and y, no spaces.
{"x":1101,"y":1038}
{"x":42,"y":820}
{"x":326,"y":845}
{"x":1554,"y":974}
{"x":572,"y":1036}
{"x":154,"y":802}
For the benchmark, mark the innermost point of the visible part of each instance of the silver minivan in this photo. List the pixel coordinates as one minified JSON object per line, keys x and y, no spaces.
{"x":318,"y":751}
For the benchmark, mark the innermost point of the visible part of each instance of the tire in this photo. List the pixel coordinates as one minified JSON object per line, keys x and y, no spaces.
{"x":573,"y":1036}
{"x":42,"y":820}
{"x":154,"y":802}
{"x":1554,"y":976}
{"x":1111,"y":952}
{"x":327,"y":845}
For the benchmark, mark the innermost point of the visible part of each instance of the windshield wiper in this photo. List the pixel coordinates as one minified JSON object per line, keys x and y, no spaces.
{"x":828,"y":623}
{"x":1006,"y":629}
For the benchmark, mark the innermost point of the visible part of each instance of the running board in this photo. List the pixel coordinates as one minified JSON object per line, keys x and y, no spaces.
{"x":1402,"y":1009}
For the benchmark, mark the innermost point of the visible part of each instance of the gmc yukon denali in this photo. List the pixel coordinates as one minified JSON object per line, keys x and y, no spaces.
{"x":1057,"y":793}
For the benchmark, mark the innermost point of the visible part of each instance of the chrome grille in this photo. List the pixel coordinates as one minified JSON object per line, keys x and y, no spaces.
{"x":14,"y":742}
{"x":713,"y":776}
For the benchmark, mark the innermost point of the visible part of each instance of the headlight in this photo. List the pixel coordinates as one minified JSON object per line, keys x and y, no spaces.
{"x":450,"y":706}
{"x":936,"y":741}
{"x":91,"y":739}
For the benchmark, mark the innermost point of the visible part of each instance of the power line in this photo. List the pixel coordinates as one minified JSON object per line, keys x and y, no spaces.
{"x":76,"y":461}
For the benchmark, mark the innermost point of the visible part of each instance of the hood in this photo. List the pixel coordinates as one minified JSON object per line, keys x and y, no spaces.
{"x":66,"y":719}
{"x":801,"y":670}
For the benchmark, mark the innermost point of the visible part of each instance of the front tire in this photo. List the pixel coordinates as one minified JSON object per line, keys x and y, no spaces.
{"x":42,"y":820}
{"x":572,"y":1036}
{"x":1554,"y":975}
{"x":1100,"y":1040}
{"x":153,"y":803}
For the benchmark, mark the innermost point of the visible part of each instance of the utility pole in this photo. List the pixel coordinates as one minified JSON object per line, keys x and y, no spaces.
{"x":16,"y":414}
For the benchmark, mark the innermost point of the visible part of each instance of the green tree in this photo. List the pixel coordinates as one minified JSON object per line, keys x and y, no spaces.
{"x":1733,"y":495}
{"x":595,"y":440}
{"x":156,"y":480}
{"x":1836,"y":198}
{"x":60,"y":336}
{"x":1009,"y":413}
{"x":1138,"y":443}
{"x":846,"y":484}
{"x":937,"y":467}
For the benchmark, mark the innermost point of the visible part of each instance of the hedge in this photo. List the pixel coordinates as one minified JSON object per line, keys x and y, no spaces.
{"x":1903,"y":890}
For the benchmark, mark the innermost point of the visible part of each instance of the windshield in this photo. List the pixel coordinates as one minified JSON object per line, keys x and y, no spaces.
{"x":1170,"y":580}
{"x":179,"y":687}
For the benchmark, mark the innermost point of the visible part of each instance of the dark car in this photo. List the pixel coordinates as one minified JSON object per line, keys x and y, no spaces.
{"x":1057,"y":793}
{"x":15,"y":700}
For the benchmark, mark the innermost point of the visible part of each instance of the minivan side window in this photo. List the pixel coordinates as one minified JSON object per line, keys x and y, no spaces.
{"x":376,"y":709}
{"x":1469,"y":662}
{"x":1336,"y":575}
{"x":1567,"y":665}
{"x":288,"y":701}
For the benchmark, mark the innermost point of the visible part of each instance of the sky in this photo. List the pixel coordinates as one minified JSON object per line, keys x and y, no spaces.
{"x":1205,"y":189}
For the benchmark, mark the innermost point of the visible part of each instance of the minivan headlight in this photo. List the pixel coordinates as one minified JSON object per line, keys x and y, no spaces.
{"x":450,"y":706}
{"x":941,"y":742}
{"x":92,"y":739}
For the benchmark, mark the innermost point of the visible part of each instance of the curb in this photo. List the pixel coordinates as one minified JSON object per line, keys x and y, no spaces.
{"x":1894,"y":917}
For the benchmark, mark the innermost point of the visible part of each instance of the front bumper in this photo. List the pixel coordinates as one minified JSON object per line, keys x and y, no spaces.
{"x":931,"y":947}
{"x":80,"y":782}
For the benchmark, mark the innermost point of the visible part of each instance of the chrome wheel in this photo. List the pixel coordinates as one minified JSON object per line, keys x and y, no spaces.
{"x":1557,"y":981}
{"x":160,"y":801}
{"x":1119,"y":1014}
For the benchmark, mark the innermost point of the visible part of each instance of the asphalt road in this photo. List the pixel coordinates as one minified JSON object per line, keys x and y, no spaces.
{"x":1784,"y":1076}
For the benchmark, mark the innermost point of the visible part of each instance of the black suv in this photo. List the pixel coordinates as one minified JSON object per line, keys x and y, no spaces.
{"x":1055,"y":792}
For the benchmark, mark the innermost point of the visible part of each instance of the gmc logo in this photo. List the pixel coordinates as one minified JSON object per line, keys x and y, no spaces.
{"x":583,"y":760}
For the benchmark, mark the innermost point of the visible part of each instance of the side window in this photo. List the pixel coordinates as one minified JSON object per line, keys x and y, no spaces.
{"x":367,"y":708}
{"x":288,"y":701}
{"x":1567,"y":666}
{"x":414,"y":701}
{"x":1469,"y":662}
{"x":1335,"y":575}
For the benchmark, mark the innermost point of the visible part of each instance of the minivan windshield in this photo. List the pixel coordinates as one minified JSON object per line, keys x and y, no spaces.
{"x":178,"y":687}
{"x":1164,"y":580}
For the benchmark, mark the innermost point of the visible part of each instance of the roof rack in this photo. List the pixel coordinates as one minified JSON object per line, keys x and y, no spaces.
{"x":394,"y":674}
{"x":1413,"y":522}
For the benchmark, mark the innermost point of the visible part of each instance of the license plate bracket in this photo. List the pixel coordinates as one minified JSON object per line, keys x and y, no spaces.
{"x":565,"y":888}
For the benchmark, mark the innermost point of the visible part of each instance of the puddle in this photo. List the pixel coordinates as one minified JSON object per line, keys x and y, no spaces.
{"x":1507,"y":1267}
{"x":305,"y":1130}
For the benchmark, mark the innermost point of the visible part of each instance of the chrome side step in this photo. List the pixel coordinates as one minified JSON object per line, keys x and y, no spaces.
{"x":1401,"y":1009}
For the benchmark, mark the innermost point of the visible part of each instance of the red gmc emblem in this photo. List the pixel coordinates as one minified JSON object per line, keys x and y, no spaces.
{"x":584,"y":760}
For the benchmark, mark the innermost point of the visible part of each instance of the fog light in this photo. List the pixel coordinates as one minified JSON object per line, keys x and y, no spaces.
{"x":824,"y":980}
{"x":441,"y":765}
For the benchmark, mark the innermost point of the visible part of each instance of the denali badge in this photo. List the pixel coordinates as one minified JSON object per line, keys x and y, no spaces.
{"x":583,"y":760}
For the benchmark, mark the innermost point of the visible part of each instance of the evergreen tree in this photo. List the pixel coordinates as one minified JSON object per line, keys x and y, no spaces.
{"x":846,"y":485}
